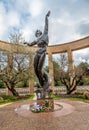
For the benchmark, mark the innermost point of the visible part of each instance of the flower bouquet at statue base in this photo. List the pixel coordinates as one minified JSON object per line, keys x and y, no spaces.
{"x":37,"y":109}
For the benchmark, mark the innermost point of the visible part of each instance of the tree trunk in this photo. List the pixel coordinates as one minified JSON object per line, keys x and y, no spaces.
{"x":69,"y":91}
{"x":14,"y":92}
{"x":12,"y":89}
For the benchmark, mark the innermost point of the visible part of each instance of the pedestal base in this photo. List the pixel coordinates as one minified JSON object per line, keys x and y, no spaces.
{"x":60,"y":109}
{"x":47,"y":104}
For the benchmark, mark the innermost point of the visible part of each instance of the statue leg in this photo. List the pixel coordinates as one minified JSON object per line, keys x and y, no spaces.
{"x":36,"y":61}
{"x":43,"y":78}
{"x":37,"y":68}
{"x":43,"y":74}
{"x":40,"y":66}
{"x":41,"y":62}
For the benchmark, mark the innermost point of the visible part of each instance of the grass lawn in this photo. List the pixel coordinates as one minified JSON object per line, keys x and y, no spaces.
{"x":71,"y":98}
{"x":79,"y":99}
{"x":9,"y":99}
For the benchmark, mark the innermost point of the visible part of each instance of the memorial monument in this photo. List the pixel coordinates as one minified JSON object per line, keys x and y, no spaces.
{"x":39,"y":59}
{"x":44,"y":102}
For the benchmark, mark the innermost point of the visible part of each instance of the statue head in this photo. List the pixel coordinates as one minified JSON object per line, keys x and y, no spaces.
{"x":38,"y":33}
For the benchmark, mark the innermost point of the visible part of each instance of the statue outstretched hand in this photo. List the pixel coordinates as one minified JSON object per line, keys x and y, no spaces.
{"x":30,"y":44}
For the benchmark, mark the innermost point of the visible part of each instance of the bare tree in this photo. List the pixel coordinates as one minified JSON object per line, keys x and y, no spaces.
{"x":69,"y":78}
{"x":18,"y":70}
{"x":16,"y":37}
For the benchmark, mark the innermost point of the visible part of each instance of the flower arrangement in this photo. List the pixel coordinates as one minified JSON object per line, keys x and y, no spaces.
{"x":37,"y":109}
{"x":45,"y":105}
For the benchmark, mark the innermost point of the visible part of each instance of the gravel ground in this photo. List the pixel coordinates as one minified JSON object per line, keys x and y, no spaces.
{"x":77,"y":120}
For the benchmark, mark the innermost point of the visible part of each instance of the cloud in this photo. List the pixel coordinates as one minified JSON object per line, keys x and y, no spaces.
{"x":62,"y":32}
{"x":81,"y":56}
{"x":69,"y":19}
{"x":64,"y":22}
{"x":3,"y":25}
{"x":35,"y":7}
{"x":27,"y":33}
{"x":8,"y":19}
{"x":13,"y":19}
{"x":83,"y":28}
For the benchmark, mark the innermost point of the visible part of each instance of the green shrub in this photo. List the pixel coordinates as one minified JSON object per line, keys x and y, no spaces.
{"x":86,"y":94}
{"x":1,"y":84}
{"x":22,"y":84}
{"x":9,"y":98}
{"x":86,"y":81}
{"x":1,"y":99}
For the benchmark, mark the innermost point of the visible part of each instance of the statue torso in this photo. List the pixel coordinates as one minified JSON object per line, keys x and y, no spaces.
{"x":43,"y":40}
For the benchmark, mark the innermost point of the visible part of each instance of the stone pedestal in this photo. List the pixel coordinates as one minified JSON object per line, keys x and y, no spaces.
{"x":47,"y":104}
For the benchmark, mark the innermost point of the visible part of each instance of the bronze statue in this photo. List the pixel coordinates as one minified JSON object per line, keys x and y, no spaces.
{"x":42,"y":42}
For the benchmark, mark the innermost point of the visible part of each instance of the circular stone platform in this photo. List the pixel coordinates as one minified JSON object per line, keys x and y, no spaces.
{"x":60,"y":109}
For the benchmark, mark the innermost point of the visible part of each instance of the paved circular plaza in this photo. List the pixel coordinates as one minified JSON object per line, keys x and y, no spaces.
{"x":77,"y":119}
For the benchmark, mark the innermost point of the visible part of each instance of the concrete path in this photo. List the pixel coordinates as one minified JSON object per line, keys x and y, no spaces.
{"x":77,"y":120}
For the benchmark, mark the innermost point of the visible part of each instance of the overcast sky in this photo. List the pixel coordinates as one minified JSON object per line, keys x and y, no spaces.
{"x":69,"y":20}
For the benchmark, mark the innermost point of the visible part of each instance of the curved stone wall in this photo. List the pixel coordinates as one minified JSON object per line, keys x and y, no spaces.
{"x":66,"y":47}
{"x":75,"y":45}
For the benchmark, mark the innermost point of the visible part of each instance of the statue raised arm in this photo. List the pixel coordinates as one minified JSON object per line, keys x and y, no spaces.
{"x":46,"y":22}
